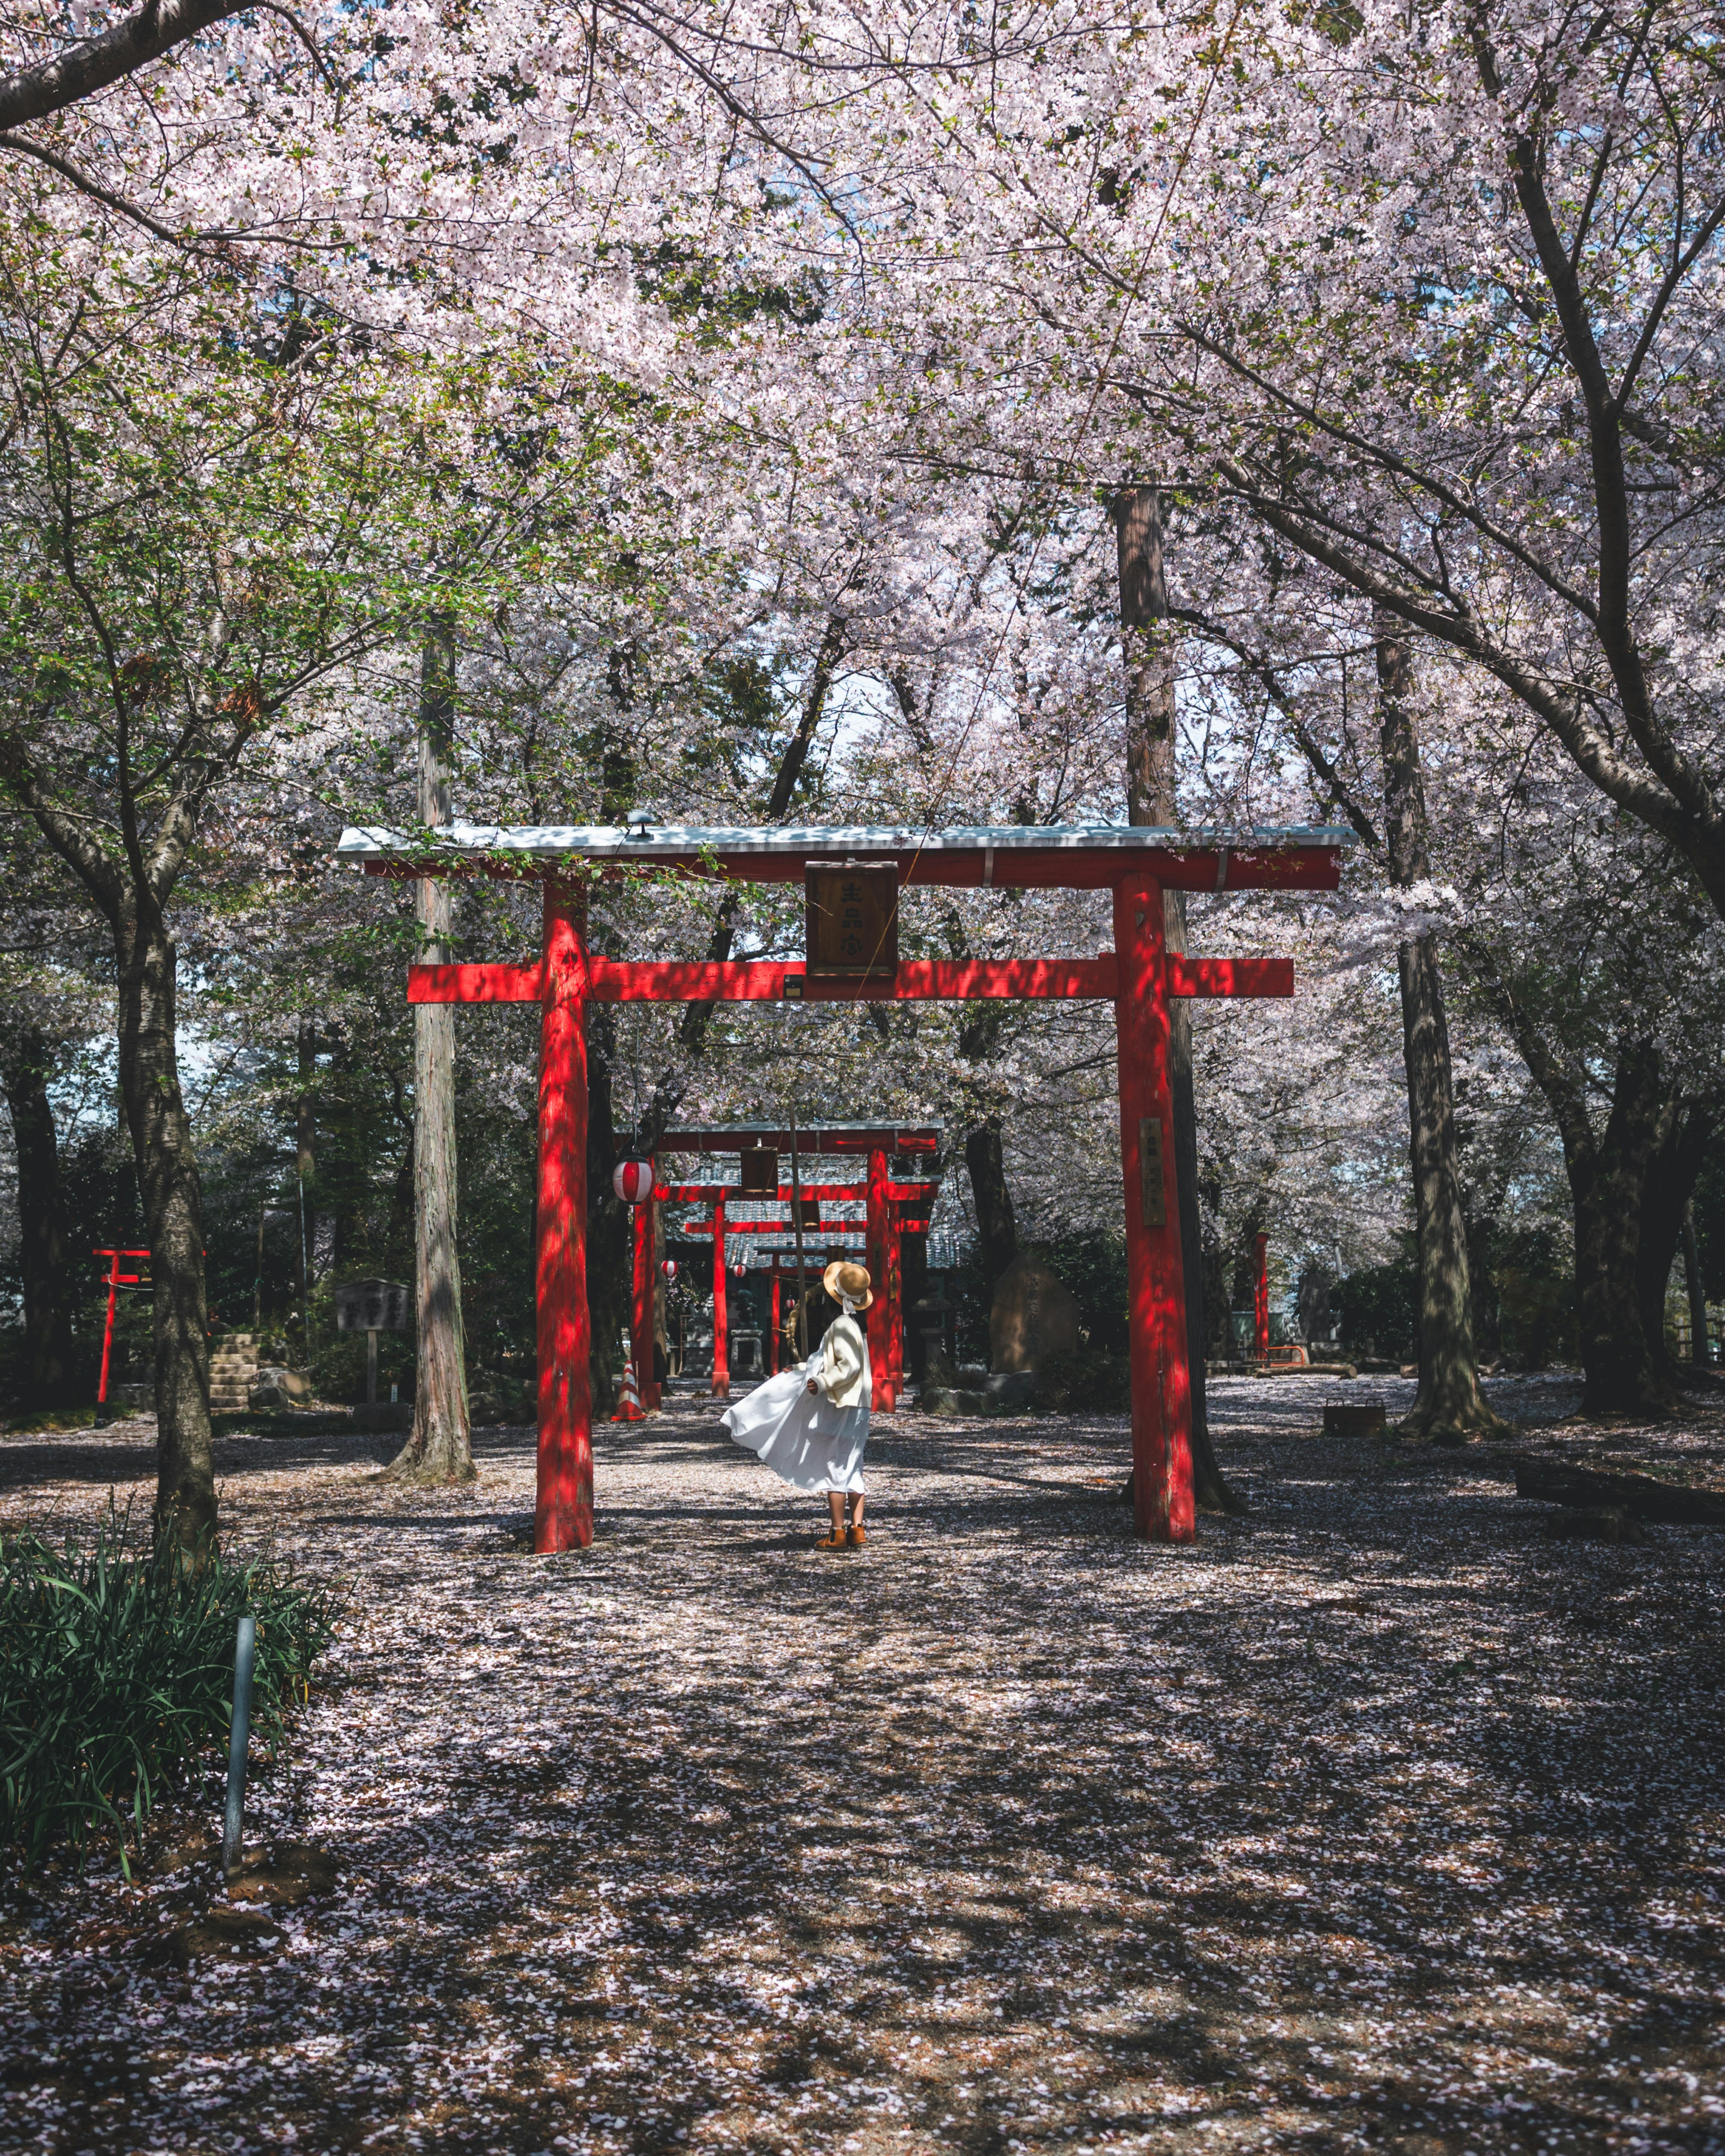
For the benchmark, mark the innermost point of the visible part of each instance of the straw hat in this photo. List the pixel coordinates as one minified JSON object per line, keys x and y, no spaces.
{"x":840,"y":1280}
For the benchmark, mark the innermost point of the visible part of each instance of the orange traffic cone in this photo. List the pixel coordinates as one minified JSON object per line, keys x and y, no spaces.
{"x":628,"y":1406}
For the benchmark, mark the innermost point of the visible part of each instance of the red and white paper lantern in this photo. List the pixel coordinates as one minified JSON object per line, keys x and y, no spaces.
{"x":669,"y":1269}
{"x":632,"y":1179}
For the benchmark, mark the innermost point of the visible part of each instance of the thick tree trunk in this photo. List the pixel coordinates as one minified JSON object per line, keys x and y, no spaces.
{"x":1695,"y":1288}
{"x":1449,"y":1407}
{"x":439,"y":1447}
{"x":43,"y":1257}
{"x":1608,"y":1181}
{"x":161,"y":1134}
{"x":609,"y":1253}
{"x":997,"y":1229}
{"x":1148,"y":652}
{"x":1686,"y":1131}
{"x":306,"y":1174}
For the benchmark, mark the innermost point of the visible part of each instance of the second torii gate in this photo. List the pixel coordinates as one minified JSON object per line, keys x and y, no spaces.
{"x":893,"y":1211}
{"x":1138,"y":976}
{"x":882,"y":1198}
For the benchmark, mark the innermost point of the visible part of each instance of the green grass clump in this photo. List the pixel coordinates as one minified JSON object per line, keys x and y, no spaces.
{"x":116,"y":1678}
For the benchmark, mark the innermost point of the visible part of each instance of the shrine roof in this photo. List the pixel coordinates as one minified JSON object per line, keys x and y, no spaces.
{"x":824,"y":1138}
{"x":1038,"y":856}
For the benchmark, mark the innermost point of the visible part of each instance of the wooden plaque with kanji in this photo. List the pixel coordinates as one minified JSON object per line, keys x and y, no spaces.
{"x":852,"y":917}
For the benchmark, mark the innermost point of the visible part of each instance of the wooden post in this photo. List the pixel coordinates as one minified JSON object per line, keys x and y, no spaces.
{"x":1161,"y":1395}
{"x":641,"y":1335}
{"x":108,"y":1326}
{"x":1261,"y":1302}
{"x":776,"y":1320}
{"x":879,"y":1232}
{"x":721,"y":1345}
{"x":563,"y":1516}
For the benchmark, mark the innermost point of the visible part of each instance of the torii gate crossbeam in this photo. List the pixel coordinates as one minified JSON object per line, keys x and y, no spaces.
{"x":1138,"y":977}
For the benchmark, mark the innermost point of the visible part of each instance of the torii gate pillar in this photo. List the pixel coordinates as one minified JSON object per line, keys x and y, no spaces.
{"x":643,"y":1332}
{"x":721,"y":1315}
{"x":563,"y":1518}
{"x":1161,"y":1389}
{"x":878,"y":1317}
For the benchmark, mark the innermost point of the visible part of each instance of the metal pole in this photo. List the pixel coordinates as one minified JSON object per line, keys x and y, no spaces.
{"x":246,"y":1649}
{"x":370,"y":1366}
{"x":801,"y":1319}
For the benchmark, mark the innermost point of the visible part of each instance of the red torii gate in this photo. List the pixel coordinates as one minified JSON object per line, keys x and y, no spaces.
{"x":881,"y":1237}
{"x":1137,"y":864}
{"x":894,"y":1210}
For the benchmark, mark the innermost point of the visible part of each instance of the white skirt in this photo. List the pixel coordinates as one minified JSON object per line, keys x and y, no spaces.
{"x":801,"y":1436}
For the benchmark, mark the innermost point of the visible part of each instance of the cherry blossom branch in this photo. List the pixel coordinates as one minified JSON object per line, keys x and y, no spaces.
{"x":95,"y":63}
{"x":1699,"y":833}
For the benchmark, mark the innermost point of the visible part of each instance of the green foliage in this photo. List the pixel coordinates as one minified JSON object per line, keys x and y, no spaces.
{"x":1091,"y":1262}
{"x":1536,"y":1302}
{"x":1379,"y":1304}
{"x":116,"y":1678}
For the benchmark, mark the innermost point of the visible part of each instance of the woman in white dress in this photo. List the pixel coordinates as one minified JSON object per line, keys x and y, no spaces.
{"x":810,"y":1422}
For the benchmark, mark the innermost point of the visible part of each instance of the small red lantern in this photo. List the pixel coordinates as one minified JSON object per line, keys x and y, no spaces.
{"x":632,"y":1179}
{"x":669,"y":1269}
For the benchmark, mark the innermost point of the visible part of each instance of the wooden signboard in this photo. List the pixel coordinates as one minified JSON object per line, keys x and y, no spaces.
{"x":852,"y":917}
{"x":373,"y":1306}
{"x":760,"y":1172}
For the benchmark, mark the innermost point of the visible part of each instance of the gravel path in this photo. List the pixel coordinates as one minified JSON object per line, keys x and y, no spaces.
{"x":1377,"y":1820}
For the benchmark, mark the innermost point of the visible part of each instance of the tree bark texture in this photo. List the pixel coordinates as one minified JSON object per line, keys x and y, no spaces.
{"x":306,"y":1173}
{"x":1687,"y":1129}
{"x":1695,"y":1289}
{"x":1147,"y":649}
{"x":161,"y":1134}
{"x":1608,"y":1181}
{"x":609,"y":1275}
{"x":997,"y":1229}
{"x":440,"y":1447}
{"x":1449,"y":1407}
{"x":43,"y":1255}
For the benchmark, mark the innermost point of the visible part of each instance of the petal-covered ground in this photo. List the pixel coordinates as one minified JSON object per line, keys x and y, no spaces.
{"x":1377,"y":1820}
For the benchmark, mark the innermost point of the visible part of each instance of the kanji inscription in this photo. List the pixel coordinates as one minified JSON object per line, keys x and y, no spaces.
{"x":852,"y":917}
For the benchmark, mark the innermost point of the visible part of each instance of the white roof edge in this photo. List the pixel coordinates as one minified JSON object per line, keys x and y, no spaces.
{"x":377,"y":842}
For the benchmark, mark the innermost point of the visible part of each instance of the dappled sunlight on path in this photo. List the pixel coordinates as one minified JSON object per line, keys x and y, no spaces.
{"x":1376,"y":1819}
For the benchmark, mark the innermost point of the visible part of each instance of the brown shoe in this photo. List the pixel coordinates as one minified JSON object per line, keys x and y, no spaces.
{"x":854,"y":1536}
{"x":832,"y":1541}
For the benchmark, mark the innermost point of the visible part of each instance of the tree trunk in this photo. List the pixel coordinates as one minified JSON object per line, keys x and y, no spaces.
{"x":1146,"y":647}
{"x":1449,"y":1407}
{"x":610,"y":1268}
{"x":1696,"y":1289}
{"x":43,"y":1254}
{"x":161,"y":1134}
{"x":997,"y":1230}
{"x":440,"y":1447}
{"x":1608,"y":1181}
{"x":306,"y":1174}
{"x":1686,"y":1131}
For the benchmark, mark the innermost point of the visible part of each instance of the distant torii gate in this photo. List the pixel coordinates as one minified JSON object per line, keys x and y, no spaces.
{"x":894,"y":1210}
{"x":1136,"y":863}
{"x":887,"y":1222}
